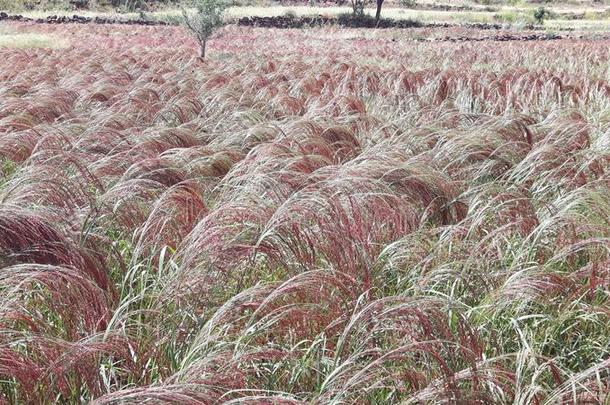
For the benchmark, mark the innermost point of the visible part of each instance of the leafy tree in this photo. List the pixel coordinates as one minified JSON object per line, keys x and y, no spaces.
{"x":540,"y":14}
{"x":358,"y":7}
{"x":205,"y":17}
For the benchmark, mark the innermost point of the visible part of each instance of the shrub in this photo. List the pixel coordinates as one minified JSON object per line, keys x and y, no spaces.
{"x":514,"y":18}
{"x":408,"y":3}
{"x":127,"y":5}
{"x":349,"y":20}
{"x":539,"y":14}
{"x":290,"y":14}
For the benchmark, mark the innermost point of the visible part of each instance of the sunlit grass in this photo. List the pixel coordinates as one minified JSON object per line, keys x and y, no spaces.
{"x":9,"y":39}
{"x":504,"y":15}
{"x":583,"y":25}
{"x":391,"y":12}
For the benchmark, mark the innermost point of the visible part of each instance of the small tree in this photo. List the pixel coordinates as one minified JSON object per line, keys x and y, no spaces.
{"x":358,"y":7}
{"x":205,"y":18}
{"x":540,"y":14}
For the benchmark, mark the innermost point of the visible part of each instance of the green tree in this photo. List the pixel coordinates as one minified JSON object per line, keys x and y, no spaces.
{"x":540,"y":14}
{"x":358,"y":7}
{"x":203,"y":18}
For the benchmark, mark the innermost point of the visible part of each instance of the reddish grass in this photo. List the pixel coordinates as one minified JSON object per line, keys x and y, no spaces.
{"x":303,"y":218}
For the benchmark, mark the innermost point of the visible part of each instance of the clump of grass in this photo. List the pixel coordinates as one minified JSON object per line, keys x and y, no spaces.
{"x":31,"y":40}
{"x":514,"y":18}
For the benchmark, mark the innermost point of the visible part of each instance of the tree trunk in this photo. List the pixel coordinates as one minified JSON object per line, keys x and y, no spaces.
{"x":202,"y":50}
{"x":378,"y":14}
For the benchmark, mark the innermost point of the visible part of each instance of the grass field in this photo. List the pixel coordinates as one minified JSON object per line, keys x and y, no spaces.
{"x":10,"y":38}
{"x":593,"y":18}
{"x":315,"y":216}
